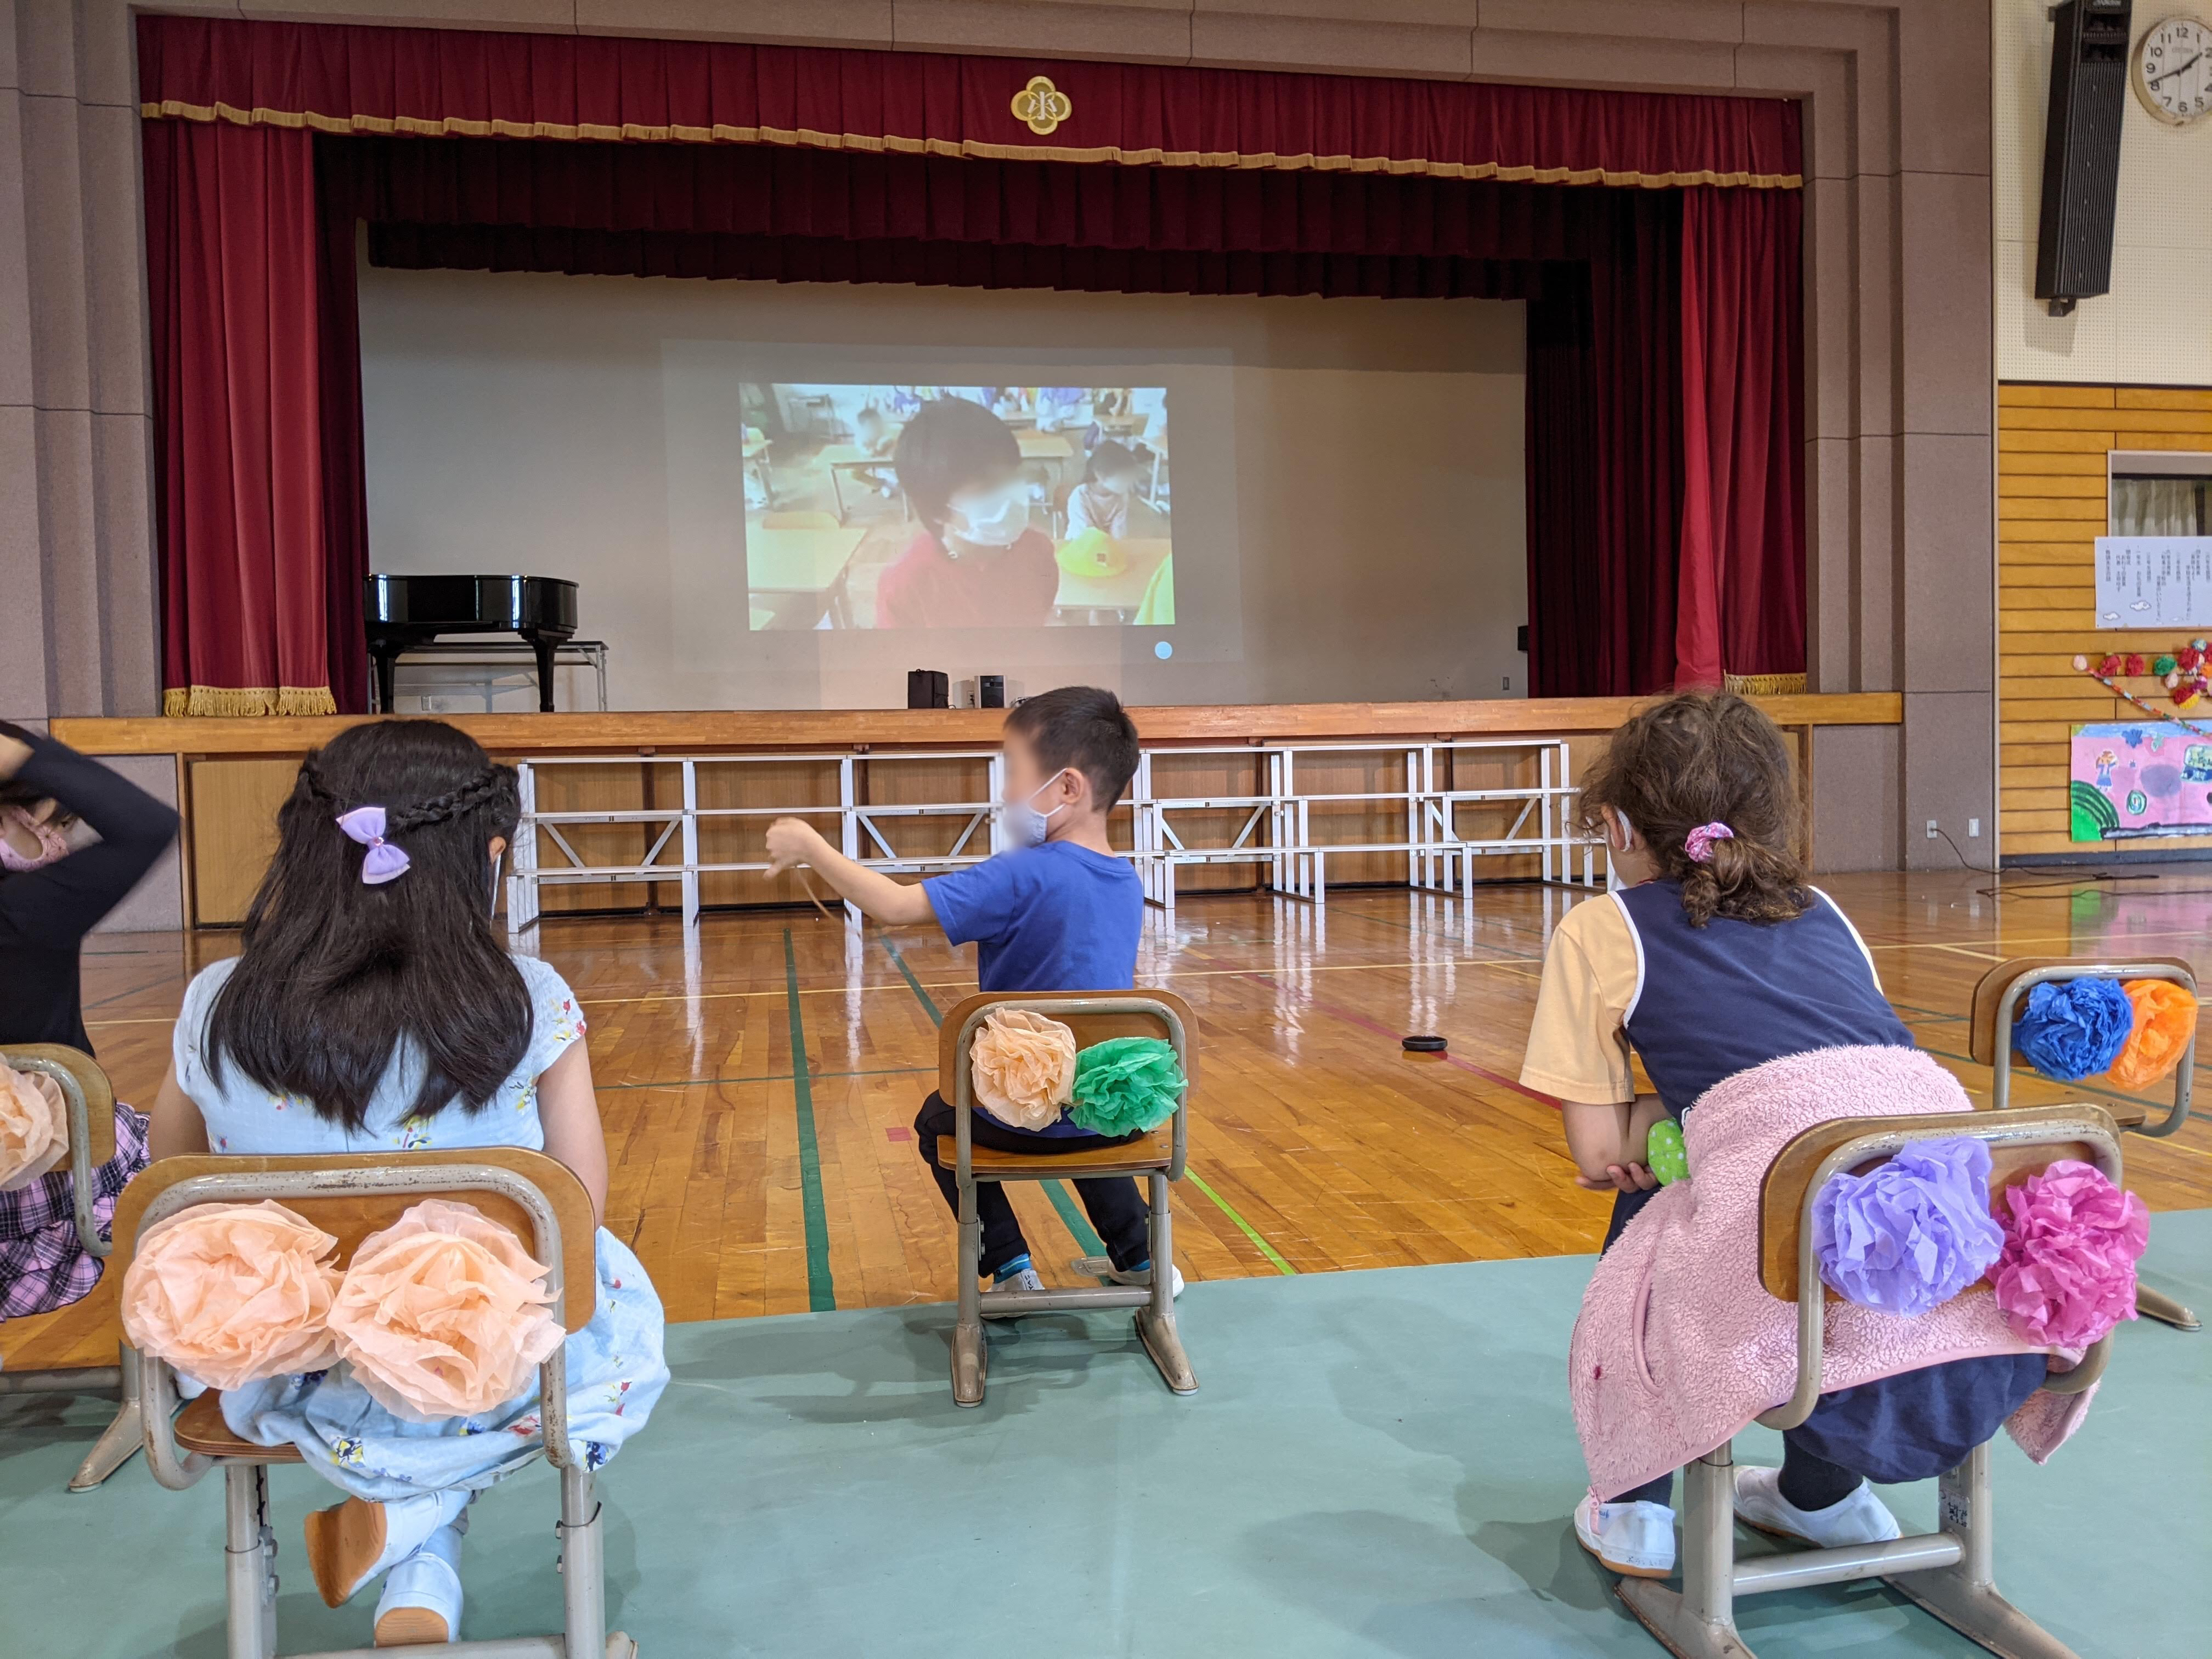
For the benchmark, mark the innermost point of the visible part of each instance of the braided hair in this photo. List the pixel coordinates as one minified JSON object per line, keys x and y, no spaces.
{"x":1700,"y":758}
{"x":339,"y":980}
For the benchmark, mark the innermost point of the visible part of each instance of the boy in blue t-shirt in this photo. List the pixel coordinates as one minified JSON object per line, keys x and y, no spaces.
{"x":1059,"y":912}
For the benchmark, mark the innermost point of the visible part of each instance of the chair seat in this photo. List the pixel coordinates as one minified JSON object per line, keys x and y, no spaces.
{"x":1155,"y":1151}
{"x":200,"y":1428}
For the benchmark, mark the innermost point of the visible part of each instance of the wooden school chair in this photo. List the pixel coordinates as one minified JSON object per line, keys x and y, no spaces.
{"x":1949,"y":1572}
{"x":90,"y":1102}
{"x":1998,"y":997}
{"x":351,"y":1195}
{"x":1094,"y":1016}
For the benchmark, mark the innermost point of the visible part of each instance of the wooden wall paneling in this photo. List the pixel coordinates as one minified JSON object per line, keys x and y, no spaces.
{"x":1194,"y":775}
{"x":1383,"y":770}
{"x":2052,"y":445}
{"x":233,"y":805}
{"x":594,"y":789}
{"x":788,"y":783}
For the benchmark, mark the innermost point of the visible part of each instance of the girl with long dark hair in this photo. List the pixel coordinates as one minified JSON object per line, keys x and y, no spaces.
{"x":375,"y":1009}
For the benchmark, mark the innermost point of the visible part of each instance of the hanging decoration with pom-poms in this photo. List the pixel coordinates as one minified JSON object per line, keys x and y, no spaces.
{"x":2185,"y":672}
{"x":1125,"y":1086}
{"x":2073,"y":1029}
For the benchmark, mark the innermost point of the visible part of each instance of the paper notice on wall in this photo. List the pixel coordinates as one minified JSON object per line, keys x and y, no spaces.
{"x":2154,"y":581}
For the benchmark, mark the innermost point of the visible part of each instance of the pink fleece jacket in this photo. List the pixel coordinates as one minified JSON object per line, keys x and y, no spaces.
{"x":1679,"y":1346}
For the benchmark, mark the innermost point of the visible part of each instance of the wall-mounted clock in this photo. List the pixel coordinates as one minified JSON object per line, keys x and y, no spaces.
{"x":2173,"y":70}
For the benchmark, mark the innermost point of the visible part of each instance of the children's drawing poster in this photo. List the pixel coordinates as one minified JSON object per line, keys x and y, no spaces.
{"x":2140,"y":780}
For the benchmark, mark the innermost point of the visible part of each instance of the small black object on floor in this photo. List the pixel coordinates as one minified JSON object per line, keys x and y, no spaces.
{"x":1423,"y":1045}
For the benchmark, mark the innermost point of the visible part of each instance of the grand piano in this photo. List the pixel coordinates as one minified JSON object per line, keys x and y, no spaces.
{"x":407,"y":611}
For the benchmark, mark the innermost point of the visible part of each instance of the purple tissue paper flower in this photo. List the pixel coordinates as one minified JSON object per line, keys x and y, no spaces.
{"x":1912,"y":1233}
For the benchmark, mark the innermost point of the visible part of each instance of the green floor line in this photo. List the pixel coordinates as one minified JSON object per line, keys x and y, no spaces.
{"x":1242,"y":1225}
{"x":821,"y":1290}
{"x":1063,"y":1201}
{"x":936,"y":1015}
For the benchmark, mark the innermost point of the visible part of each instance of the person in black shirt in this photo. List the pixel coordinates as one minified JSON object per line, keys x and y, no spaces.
{"x":45,"y":912}
{"x":50,"y":899}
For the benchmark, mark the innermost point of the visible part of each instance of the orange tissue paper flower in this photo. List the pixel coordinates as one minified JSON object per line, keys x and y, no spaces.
{"x":33,"y":1127}
{"x":444,"y":1314}
{"x":1024,"y":1066}
{"x":2166,"y":1019}
{"x":229,"y":1292}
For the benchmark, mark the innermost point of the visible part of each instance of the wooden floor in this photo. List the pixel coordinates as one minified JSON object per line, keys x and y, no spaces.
{"x":758,"y":1088}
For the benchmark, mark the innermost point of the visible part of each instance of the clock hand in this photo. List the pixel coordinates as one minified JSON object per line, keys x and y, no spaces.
{"x":2170,"y":74}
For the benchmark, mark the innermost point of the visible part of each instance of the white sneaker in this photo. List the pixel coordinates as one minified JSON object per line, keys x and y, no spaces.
{"x":1101,"y":1267}
{"x":1635,"y":1538}
{"x":422,"y":1599}
{"x":1026,"y":1279}
{"x":1862,"y":1518}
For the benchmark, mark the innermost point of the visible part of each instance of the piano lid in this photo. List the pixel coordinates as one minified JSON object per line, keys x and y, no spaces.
{"x":460,"y":603}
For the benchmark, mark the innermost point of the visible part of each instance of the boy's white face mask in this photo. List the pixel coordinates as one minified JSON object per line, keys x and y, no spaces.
{"x":1025,"y":825}
{"x":992,"y":517}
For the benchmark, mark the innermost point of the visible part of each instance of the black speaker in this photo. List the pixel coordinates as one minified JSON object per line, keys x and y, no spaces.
{"x":991,"y":691}
{"x":928,"y":688}
{"x":2081,"y":151}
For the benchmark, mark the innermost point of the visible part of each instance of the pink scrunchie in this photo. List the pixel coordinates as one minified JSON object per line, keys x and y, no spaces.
{"x":33,"y":1127}
{"x":1024,"y":1066}
{"x":444,"y":1314}
{"x":2067,"y":1271}
{"x":1698,"y":843}
{"x":230,"y":1292}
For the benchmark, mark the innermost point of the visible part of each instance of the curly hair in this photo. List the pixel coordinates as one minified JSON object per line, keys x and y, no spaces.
{"x":1699,"y":758}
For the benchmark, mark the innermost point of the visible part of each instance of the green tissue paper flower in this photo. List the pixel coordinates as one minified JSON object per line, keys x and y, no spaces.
{"x":1125,"y":1084}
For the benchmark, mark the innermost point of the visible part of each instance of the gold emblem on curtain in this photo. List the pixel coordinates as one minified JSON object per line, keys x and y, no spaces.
{"x":1042,"y":106}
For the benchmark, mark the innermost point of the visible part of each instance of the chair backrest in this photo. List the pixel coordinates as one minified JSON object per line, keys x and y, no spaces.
{"x":1121,"y":1014}
{"x":350,"y":1195}
{"x":81,"y":1079}
{"x":2023,"y":1140}
{"x":1984,"y":1042}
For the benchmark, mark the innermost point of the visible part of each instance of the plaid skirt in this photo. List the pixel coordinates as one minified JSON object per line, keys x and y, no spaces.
{"x":43,"y":1264}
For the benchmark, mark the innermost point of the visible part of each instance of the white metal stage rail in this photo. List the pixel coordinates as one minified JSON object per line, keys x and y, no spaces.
{"x":1275,"y":832}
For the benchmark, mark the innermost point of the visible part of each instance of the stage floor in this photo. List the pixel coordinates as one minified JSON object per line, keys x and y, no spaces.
{"x":1376,"y":1464}
{"x":751,"y":1183}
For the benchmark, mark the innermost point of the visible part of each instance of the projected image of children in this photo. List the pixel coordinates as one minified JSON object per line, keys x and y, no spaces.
{"x":882,"y":507}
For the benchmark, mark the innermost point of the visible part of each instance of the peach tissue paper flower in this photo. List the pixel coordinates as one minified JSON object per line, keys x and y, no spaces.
{"x":1024,"y":1066}
{"x":33,"y":1127}
{"x":444,"y":1314}
{"x":229,"y":1292}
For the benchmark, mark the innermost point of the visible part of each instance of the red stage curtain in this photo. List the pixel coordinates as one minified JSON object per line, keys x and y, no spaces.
{"x":1742,"y":576}
{"x":440,"y":82}
{"x":231,"y":248}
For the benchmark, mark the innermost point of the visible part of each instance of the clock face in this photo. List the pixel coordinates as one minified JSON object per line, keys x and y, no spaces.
{"x":2173,"y":70}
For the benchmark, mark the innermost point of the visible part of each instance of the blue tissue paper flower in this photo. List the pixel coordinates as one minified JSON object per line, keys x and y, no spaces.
{"x":2074,"y":1028}
{"x":1913,"y":1233}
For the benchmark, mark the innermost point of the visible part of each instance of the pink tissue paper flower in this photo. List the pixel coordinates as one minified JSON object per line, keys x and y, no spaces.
{"x":2067,"y":1271}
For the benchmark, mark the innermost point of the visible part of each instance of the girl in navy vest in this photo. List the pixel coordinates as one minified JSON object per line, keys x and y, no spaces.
{"x":1716,"y":956}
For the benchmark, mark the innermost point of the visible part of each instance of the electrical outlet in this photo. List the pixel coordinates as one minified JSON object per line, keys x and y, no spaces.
{"x":1973,"y":829}
{"x":1931,"y":829}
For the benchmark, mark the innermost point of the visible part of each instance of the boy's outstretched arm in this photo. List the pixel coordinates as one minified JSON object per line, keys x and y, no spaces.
{"x":896,"y":904}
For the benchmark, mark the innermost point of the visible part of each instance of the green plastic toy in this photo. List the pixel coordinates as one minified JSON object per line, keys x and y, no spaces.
{"x":1664,"y":1154}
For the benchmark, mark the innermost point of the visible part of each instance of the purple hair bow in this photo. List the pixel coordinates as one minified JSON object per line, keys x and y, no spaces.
{"x":383,"y":861}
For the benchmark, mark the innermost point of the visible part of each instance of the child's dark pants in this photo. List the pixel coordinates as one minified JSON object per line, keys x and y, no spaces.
{"x":1117,"y":1208}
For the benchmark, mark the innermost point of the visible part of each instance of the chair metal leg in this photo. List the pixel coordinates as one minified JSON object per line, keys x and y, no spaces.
{"x":1156,"y":1324}
{"x":249,"y":1561}
{"x":1964,"y":1595}
{"x":970,"y":1357}
{"x":124,"y":1435}
{"x":2157,"y":1304}
{"x":583,"y":1566}
{"x":1698,"y":1620}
